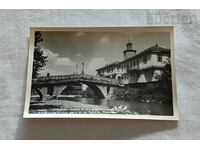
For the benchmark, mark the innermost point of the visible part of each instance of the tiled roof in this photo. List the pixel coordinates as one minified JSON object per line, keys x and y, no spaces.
{"x":153,"y":49}
{"x":109,"y":65}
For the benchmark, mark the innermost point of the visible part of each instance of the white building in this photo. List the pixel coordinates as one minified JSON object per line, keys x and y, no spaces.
{"x":137,"y":67}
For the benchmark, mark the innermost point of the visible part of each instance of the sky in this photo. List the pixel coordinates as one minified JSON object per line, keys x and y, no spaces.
{"x":65,"y":50}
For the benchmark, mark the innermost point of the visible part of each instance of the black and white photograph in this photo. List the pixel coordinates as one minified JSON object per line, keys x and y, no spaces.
{"x":101,"y":72}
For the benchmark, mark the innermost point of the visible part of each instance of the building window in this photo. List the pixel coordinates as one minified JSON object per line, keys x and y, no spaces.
{"x":159,"y":58}
{"x":145,"y":59}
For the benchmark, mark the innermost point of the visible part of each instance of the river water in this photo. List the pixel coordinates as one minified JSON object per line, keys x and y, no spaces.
{"x":142,"y":108}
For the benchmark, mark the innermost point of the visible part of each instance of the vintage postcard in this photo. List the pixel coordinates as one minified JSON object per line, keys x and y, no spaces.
{"x":101,"y":72}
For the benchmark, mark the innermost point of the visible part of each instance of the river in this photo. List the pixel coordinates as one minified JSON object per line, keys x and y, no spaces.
{"x":142,"y":108}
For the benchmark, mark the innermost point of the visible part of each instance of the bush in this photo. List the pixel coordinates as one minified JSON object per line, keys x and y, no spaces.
{"x":129,"y":94}
{"x":154,"y":92}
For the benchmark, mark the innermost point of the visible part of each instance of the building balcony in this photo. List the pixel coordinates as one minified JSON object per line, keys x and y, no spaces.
{"x":114,"y":73}
{"x":134,"y":68}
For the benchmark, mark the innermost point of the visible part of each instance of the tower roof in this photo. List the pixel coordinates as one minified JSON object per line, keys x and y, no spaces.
{"x":129,"y":48}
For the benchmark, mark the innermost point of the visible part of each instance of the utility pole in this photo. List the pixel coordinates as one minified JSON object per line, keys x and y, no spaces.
{"x":82,"y":68}
{"x":76,"y":68}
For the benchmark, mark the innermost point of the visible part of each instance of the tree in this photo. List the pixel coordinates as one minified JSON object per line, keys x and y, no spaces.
{"x":165,"y":79}
{"x":166,"y":72}
{"x":39,"y":60}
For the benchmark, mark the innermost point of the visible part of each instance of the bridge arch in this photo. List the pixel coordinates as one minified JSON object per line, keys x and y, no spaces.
{"x":36,"y":90}
{"x":63,"y":89}
{"x":97,"y":91}
{"x":52,"y":85}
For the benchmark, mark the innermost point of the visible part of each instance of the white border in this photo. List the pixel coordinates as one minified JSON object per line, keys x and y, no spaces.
{"x":163,"y":28}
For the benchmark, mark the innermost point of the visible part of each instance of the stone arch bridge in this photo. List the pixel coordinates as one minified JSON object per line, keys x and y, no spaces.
{"x":54,"y":85}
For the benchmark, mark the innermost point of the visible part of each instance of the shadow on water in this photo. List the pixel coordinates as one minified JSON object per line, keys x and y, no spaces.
{"x":92,"y":101}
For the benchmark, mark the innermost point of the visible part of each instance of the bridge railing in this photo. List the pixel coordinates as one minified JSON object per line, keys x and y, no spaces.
{"x":78,"y":77}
